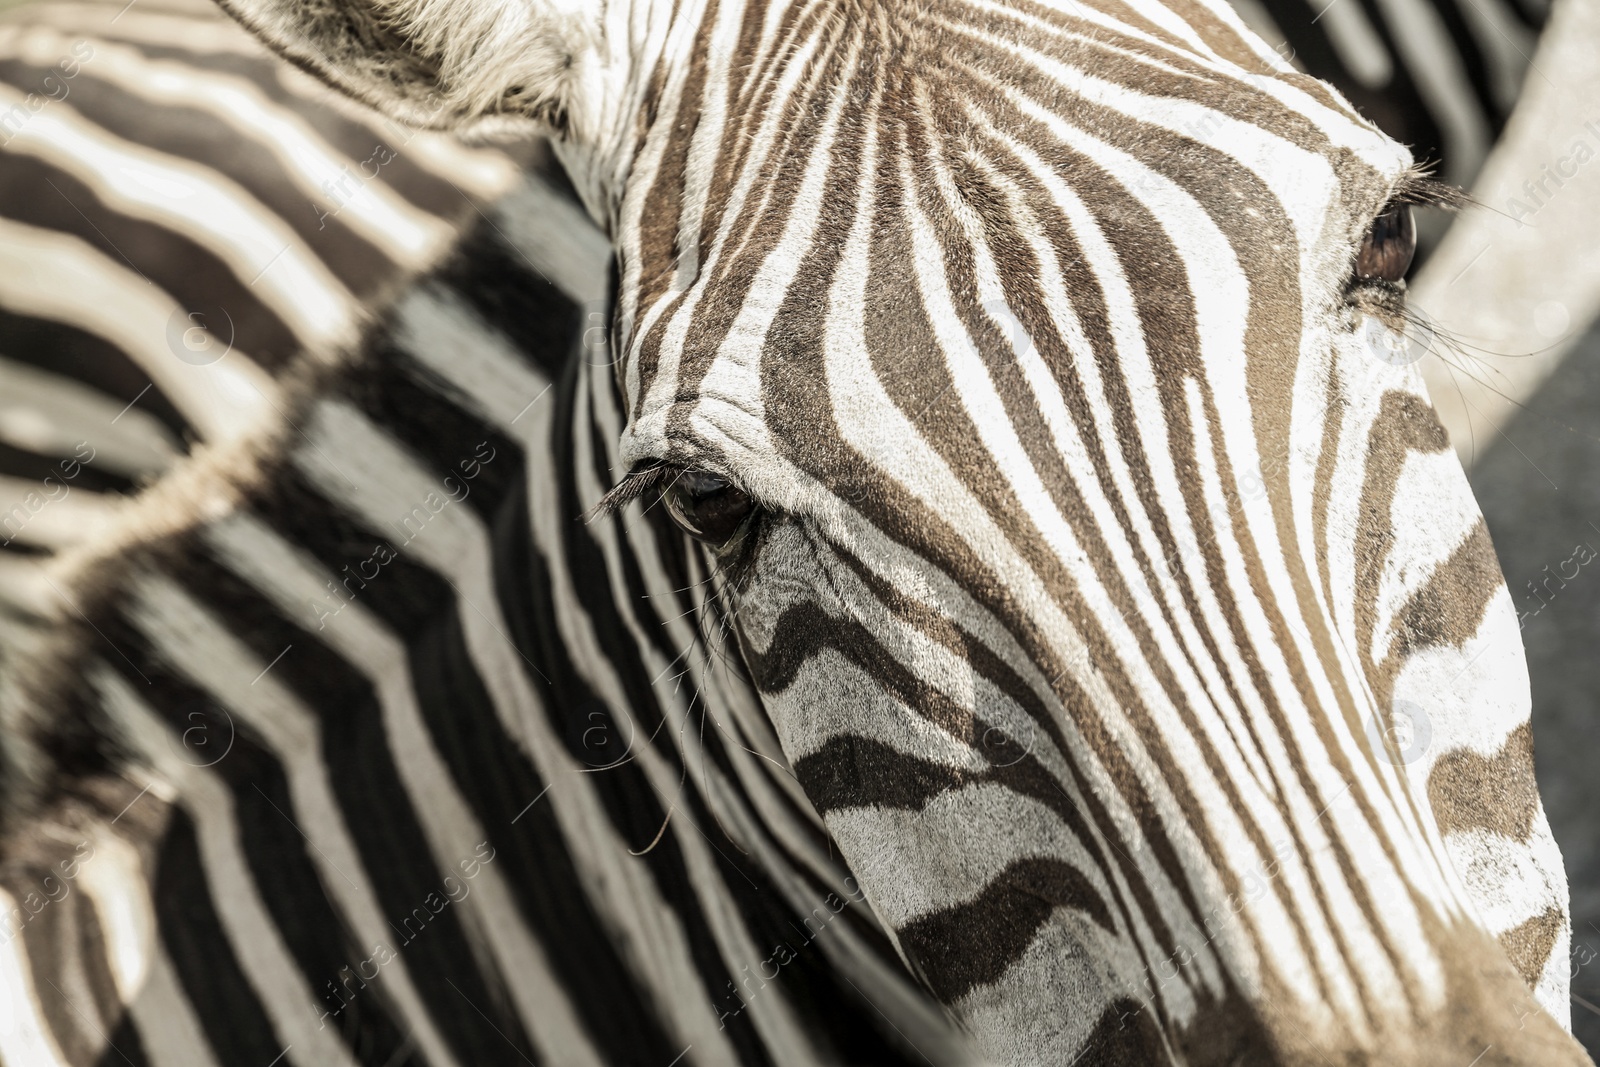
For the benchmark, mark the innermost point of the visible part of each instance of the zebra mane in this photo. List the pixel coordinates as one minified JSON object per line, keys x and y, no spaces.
{"x":492,"y":67}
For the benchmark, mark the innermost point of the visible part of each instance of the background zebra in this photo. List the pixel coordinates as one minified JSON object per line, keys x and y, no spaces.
{"x":173,"y":198}
{"x":1441,"y":76}
{"x":140,"y":623}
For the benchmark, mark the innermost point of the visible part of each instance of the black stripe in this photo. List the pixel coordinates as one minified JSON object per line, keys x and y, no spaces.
{"x":439,"y":432}
{"x":235,"y":1025}
{"x":810,"y":987}
{"x":527,"y":308}
{"x":37,"y":466}
{"x":973,"y":944}
{"x":275,"y":850}
{"x":521,"y":572}
{"x":431,"y":943}
{"x":851,"y":771}
{"x":193,"y":134}
{"x":38,"y":194}
{"x":126,"y":1049}
{"x":73,"y":353}
{"x":488,"y":767}
{"x":419,"y":186}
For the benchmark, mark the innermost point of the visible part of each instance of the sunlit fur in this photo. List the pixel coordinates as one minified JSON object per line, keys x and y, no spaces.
{"x":1099,"y":537}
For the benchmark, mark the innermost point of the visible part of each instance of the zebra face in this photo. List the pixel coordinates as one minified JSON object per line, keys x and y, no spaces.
{"x":1049,"y":418}
{"x":1036,"y":381}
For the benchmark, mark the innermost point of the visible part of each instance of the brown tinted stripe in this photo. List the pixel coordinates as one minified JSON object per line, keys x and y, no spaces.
{"x":1529,"y":944}
{"x":766,"y":214}
{"x":653,"y":241}
{"x":1450,"y":606}
{"x":1495,"y":793}
{"x":1020,"y":415}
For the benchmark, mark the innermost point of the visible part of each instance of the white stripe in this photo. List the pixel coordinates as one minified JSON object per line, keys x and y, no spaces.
{"x":409,"y":236}
{"x":169,"y":1029}
{"x":996,"y":825}
{"x":295,"y":582}
{"x":386,"y":483}
{"x":52,"y":414}
{"x":246,"y":921}
{"x":492,"y":376}
{"x":1424,"y":43}
{"x":557,"y":238}
{"x":114,"y":877}
{"x":483,"y":173}
{"x":1430,"y":516}
{"x":1359,"y":47}
{"x":25,"y":588}
{"x":1506,"y":43}
{"x":51,"y":513}
{"x":25,"y":1036}
{"x":200,"y":646}
{"x":56,"y":276}
{"x":261,"y":250}
{"x":137,"y":23}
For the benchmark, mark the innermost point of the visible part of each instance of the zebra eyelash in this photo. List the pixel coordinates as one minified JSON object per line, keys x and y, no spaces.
{"x":634,"y":485}
{"x":1418,"y":187}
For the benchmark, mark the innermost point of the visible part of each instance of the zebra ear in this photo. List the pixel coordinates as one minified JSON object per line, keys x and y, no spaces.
{"x":485,"y":65}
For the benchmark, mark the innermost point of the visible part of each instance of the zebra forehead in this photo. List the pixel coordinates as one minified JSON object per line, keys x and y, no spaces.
{"x":890,"y":204}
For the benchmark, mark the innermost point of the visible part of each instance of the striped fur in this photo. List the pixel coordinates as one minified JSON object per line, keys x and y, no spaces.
{"x":650,"y":882}
{"x":1440,"y":76}
{"x":1085,"y":708}
{"x":1190,"y":547}
{"x":160,"y":173}
{"x":159,"y":886}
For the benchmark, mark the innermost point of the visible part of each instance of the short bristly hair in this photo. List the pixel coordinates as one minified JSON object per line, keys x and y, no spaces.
{"x":484,"y":66}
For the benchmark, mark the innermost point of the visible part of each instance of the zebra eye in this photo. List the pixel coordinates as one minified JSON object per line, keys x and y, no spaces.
{"x":1386,"y":253}
{"x":706,"y":506}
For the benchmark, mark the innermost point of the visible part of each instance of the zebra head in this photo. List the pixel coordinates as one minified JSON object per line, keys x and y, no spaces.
{"x":1035,"y":376}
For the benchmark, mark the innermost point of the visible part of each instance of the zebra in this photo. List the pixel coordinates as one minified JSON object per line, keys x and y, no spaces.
{"x":224,"y":564}
{"x":301,"y":212}
{"x":76,"y":991}
{"x":1440,"y":76}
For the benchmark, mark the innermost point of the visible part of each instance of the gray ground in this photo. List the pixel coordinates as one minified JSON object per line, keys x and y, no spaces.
{"x":1539,"y":485}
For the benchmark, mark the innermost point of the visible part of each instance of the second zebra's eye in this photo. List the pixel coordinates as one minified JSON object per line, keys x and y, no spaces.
{"x":1387,"y":250}
{"x":706,"y":506}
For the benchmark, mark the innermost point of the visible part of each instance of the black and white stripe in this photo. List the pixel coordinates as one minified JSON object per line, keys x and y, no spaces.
{"x":511,"y":679}
{"x":155,"y":161}
{"x":398,"y":735}
{"x":327,"y":670}
{"x":1440,"y":76}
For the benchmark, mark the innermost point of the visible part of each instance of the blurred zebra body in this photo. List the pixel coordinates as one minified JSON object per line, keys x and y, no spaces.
{"x":1440,"y":76}
{"x":180,"y":215}
{"x":396,"y":812}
